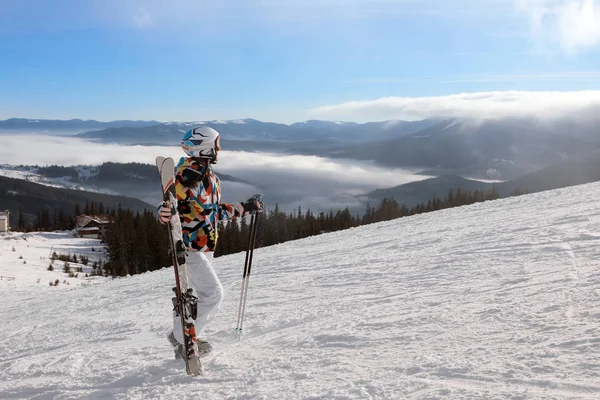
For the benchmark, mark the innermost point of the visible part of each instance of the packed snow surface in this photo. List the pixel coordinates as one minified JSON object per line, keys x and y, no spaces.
{"x":25,"y":259}
{"x":498,"y":300}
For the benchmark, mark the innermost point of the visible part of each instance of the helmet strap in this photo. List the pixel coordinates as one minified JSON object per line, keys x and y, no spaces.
{"x":201,"y":160}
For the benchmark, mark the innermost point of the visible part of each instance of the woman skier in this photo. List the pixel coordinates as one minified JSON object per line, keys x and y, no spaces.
{"x":200,"y":209}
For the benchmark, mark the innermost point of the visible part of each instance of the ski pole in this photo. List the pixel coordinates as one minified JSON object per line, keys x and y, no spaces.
{"x":247,"y":270}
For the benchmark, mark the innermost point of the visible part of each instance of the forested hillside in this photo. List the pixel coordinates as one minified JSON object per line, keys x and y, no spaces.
{"x":30,"y":199}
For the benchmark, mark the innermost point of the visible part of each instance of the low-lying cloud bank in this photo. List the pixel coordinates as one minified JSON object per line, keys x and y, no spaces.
{"x":540,"y":104}
{"x":42,"y":150}
{"x":314,"y":183}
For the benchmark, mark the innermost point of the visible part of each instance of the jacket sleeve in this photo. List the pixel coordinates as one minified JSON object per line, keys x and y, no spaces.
{"x":230,"y":211}
{"x":188,"y":206}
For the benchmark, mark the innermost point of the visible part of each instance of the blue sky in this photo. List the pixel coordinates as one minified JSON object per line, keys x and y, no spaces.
{"x":286,"y":61}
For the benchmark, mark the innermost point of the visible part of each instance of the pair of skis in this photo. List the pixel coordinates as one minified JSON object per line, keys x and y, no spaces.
{"x":185,"y":300}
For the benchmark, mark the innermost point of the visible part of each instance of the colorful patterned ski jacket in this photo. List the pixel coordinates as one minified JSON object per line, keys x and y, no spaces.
{"x":199,"y":205}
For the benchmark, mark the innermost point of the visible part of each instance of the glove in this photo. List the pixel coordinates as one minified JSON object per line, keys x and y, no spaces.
{"x":165,"y":212}
{"x":253,"y":205}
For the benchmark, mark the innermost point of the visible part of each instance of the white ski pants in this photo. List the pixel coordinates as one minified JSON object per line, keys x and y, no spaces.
{"x":207,"y":287}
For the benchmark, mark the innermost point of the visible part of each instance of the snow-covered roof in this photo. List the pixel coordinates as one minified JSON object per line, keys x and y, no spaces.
{"x":83,"y":220}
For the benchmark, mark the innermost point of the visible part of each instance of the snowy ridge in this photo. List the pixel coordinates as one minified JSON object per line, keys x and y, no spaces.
{"x":86,"y":172}
{"x":31,"y":174}
{"x":220,"y":122}
{"x":495,"y":300}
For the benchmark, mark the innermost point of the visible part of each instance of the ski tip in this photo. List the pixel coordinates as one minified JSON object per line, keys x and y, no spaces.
{"x":195,"y":368}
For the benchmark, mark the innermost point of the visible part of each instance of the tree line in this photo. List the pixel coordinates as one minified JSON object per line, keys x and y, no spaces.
{"x":278,"y":227}
{"x":137,"y":242}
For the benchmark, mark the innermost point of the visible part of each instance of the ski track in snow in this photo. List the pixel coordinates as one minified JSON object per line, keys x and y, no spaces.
{"x":498,"y":300}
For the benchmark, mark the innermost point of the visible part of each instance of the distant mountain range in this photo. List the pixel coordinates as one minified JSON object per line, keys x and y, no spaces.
{"x":525,"y":152}
{"x":242,"y":134}
{"x":69,"y":125}
{"x":567,"y":173}
{"x":488,"y":149}
{"x":413,"y":193}
{"x":154,"y":132}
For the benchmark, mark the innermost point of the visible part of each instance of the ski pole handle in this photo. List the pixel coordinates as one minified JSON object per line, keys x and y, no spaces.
{"x":253,"y":204}
{"x":258,"y":198}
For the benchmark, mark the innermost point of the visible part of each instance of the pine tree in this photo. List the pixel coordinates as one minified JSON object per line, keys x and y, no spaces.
{"x":450,"y":200}
{"x":21,"y":221}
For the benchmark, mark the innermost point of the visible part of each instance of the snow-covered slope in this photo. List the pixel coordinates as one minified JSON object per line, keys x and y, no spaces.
{"x":25,"y":258}
{"x":498,"y":300}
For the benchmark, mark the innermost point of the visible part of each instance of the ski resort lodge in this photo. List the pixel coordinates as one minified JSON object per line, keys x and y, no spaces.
{"x":92,"y":226}
{"x":4,"y":221}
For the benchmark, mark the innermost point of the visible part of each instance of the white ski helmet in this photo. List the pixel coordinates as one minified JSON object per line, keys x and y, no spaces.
{"x":201,"y":142}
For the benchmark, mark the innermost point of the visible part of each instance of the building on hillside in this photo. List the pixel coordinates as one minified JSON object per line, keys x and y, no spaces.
{"x":92,"y":226}
{"x":4,"y":221}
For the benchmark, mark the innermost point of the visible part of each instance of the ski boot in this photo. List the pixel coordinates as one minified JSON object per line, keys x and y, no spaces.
{"x":204,"y":347}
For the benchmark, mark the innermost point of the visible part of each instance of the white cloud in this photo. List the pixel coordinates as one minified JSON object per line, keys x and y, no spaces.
{"x":314,"y":183}
{"x":572,"y":24}
{"x":142,"y":19}
{"x":542,"y":104}
{"x":51,"y":150}
{"x":350,"y":175}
